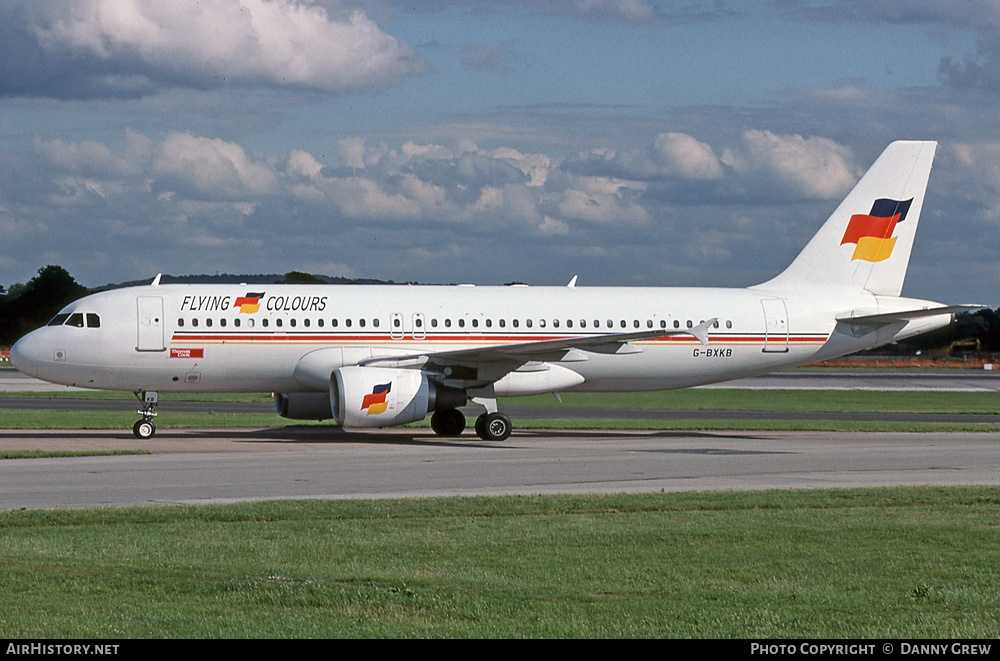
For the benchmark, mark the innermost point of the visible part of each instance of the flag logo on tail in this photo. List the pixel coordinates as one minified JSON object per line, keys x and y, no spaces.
{"x":375,"y":402}
{"x":872,"y":233}
{"x":248,"y":304}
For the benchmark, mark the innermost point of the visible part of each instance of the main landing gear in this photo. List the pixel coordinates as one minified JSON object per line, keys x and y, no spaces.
{"x":493,"y":426}
{"x":145,"y":428}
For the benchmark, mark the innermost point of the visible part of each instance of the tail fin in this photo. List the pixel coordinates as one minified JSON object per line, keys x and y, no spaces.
{"x":866,"y":242}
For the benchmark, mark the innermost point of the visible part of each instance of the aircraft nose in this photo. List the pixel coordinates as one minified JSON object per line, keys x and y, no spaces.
{"x":24,"y":355}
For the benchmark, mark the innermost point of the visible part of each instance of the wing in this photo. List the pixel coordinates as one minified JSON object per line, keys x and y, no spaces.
{"x":487,"y":364}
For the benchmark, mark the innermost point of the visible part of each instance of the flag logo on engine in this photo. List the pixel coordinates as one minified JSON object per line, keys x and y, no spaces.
{"x":375,"y":402}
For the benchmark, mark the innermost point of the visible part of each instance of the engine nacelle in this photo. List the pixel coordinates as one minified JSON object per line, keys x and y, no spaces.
{"x":303,"y":405}
{"x":383,"y":397}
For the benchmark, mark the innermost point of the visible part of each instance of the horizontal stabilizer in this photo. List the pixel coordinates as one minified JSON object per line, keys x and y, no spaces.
{"x":905,"y":315}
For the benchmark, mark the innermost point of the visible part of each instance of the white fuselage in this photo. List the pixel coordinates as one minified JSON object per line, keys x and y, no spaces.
{"x":209,"y":338}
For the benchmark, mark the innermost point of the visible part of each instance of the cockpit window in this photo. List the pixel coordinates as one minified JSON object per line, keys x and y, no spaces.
{"x":77,"y":320}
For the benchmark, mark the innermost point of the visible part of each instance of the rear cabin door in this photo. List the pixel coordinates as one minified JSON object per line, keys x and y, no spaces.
{"x":775,"y":325}
{"x":150,"y":323}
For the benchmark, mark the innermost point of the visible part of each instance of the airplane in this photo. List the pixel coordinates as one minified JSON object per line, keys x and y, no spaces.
{"x":387,"y":355}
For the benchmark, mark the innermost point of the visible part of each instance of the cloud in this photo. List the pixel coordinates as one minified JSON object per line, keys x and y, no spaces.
{"x":447,"y":211}
{"x":980,"y":69}
{"x":210,"y":168}
{"x":687,"y":157}
{"x":810,"y":167}
{"x":89,"y":157}
{"x":125,"y":48}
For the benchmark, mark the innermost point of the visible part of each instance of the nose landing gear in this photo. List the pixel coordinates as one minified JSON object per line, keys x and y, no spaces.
{"x":144,"y":429}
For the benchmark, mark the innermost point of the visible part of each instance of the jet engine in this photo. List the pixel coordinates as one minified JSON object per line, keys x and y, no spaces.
{"x":383,"y":397}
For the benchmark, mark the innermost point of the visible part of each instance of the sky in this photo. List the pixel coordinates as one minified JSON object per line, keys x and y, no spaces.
{"x":629,"y":142}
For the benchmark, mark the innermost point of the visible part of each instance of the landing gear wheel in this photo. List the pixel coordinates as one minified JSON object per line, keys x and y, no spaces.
{"x":144,"y":429}
{"x":493,"y":427}
{"x":449,"y":422}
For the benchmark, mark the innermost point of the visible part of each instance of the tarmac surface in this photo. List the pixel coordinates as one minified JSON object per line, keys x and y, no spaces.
{"x":212,"y":466}
{"x":228,"y":465}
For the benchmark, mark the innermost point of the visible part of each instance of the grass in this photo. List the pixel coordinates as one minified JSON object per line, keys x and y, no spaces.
{"x":831,"y":401}
{"x":40,"y":454}
{"x":46,"y":419}
{"x":56,"y":419}
{"x":881,"y":563}
{"x":618,"y":417}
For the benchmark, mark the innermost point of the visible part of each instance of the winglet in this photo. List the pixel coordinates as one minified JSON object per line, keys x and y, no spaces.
{"x":572,"y":283}
{"x":156,"y":280}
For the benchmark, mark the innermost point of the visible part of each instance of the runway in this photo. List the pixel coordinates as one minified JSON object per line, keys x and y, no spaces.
{"x":228,"y":465}
{"x":213,"y":466}
{"x":954,"y":380}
